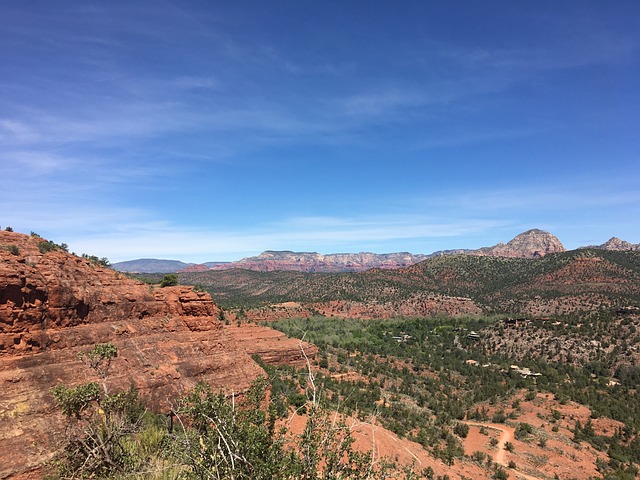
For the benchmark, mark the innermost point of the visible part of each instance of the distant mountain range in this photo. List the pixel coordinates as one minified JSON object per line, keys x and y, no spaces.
{"x":530,"y":244}
{"x":154,"y":265}
{"x":149,"y":265}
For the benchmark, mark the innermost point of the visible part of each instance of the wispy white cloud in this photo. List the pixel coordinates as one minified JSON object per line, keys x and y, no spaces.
{"x":478,"y":136}
{"x":585,"y":41}
{"x":384,"y":102}
{"x":16,"y":132}
{"x":198,"y":82}
{"x":558,"y":197}
{"x":36,"y":163}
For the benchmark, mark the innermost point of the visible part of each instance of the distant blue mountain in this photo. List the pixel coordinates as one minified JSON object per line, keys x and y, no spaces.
{"x":150,"y":265}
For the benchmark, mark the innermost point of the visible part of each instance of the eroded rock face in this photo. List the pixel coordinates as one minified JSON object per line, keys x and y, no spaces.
{"x":54,"y":305}
{"x":274,"y":347}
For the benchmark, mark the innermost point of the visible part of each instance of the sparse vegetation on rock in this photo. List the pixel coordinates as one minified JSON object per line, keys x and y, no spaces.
{"x":210,"y":436}
{"x":102,"y":262}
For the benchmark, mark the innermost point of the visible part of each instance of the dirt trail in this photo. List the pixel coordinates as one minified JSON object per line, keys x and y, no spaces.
{"x":507,"y":435}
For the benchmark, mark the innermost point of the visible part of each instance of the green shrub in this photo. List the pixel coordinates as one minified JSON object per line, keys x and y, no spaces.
{"x":461,"y":429}
{"x":500,"y":474}
{"x":47,"y":246}
{"x":478,"y":456}
{"x":499,"y":417}
{"x":170,"y":280}
{"x":101,"y":262}
{"x":73,"y":401}
{"x":523,"y":430}
{"x":13,"y":250}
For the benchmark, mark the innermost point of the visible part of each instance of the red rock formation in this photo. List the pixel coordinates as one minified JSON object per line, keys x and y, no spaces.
{"x":200,"y":267}
{"x":274,"y":347}
{"x":54,"y":305}
{"x":315,"y":262}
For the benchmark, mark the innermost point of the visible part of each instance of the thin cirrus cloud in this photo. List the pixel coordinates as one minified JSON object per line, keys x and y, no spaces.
{"x":543,"y":198}
{"x":14,"y":131}
{"x":38,"y":163}
{"x":160,"y":108}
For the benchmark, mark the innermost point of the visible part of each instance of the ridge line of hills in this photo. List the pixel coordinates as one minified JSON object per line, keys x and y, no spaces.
{"x":557,"y":284}
{"x":533,"y":243}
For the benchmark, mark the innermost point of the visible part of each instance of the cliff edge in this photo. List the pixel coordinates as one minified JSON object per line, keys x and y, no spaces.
{"x":54,"y":305}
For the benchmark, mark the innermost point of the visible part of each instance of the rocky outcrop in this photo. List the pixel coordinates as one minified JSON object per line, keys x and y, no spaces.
{"x":199,"y":267}
{"x":272,"y":346}
{"x":54,"y":305}
{"x":614,"y":243}
{"x":530,"y":244}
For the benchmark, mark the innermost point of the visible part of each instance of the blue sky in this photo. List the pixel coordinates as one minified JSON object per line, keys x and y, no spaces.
{"x":202,"y":130}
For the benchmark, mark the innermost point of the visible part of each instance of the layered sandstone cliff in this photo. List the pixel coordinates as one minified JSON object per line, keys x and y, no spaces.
{"x":54,"y":305}
{"x":316,"y":262}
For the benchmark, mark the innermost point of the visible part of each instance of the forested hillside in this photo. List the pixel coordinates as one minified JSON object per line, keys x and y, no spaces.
{"x":558,"y":283}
